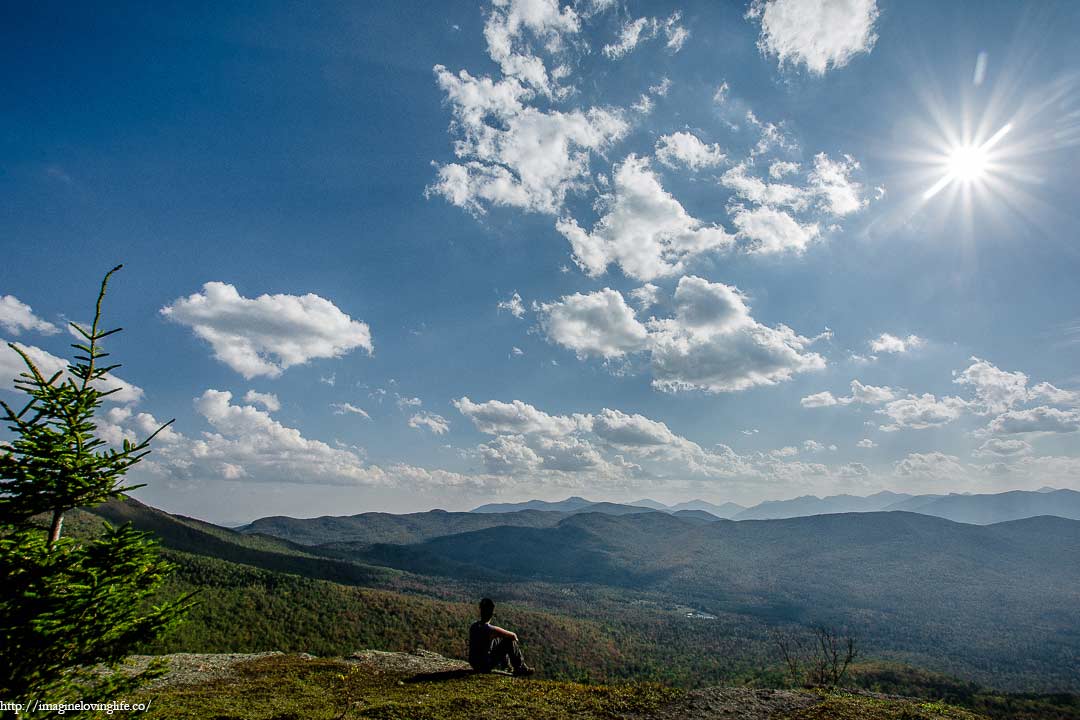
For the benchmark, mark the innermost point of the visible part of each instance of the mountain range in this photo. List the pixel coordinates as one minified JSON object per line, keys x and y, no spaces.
{"x":982,"y":509}
{"x":644,"y":593}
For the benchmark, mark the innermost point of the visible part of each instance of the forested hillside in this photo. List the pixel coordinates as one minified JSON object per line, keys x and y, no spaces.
{"x":677,"y":598}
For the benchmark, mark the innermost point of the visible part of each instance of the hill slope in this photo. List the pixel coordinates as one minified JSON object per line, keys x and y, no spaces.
{"x":385,"y":527}
{"x":425,"y":686}
{"x":912,"y":582}
{"x":635,"y":595}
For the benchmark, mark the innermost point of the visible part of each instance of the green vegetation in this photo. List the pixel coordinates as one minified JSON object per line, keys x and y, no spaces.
{"x":999,"y":604}
{"x":285,"y":687}
{"x":580,"y":630}
{"x":904,"y":680}
{"x":587,"y":633}
{"x":844,"y":706}
{"x":67,"y":604}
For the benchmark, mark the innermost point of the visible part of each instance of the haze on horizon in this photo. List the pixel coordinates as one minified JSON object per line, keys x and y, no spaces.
{"x":378,"y":258}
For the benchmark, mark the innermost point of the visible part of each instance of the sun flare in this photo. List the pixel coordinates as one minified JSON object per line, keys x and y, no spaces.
{"x":968,"y":163}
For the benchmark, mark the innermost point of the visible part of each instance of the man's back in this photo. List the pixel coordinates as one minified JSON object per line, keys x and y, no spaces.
{"x":480,"y":645}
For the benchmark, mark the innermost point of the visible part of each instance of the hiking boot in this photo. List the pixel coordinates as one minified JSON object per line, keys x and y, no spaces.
{"x":524,"y":671}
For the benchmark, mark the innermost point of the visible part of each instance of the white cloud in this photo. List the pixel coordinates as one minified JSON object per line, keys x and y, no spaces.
{"x":886,"y":343}
{"x":634,"y":430}
{"x":1009,"y":468}
{"x":12,"y":365}
{"x":267,"y":400}
{"x":922,"y":411}
{"x":514,"y":154}
{"x":831,"y":181}
{"x":634,"y":32}
{"x":433,"y":422}
{"x":515,"y":351}
{"x":644,"y":230}
{"x":866,"y":443}
{"x":1046,"y":392}
{"x":508,"y":454}
{"x":570,"y":455}
{"x":780,"y":168}
{"x":507,"y":42}
{"x":997,"y":447}
{"x":771,"y":136}
{"x":513,"y":305}
{"x":1035,"y":472}
{"x":110,"y":430}
{"x":530,"y":441}
{"x":773,"y":222}
{"x":675,"y":33}
{"x":644,"y":105}
{"x":646,"y":296}
{"x":661,"y":88}
{"x":16,"y":316}
{"x":536,"y":458}
{"x":499,"y":418}
{"x":853,"y":471}
{"x":767,"y":231}
{"x":714,"y":344}
{"x":932,"y":467}
{"x":248,"y":445}
{"x":863,"y":394}
{"x":1036,"y":420}
{"x":757,"y":191}
{"x":702,"y":306}
{"x":816,"y":33}
{"x":630,"y":34}
{"x":721,"y":94}
{"x":821,"y":399}
{"x":996,"y":390}
{"x":870,"y":394}
{"x":347,"y":409}
{"x":407,"y":402}
{"x":270,"y":333}
{"x":687,"y":150}
{"x":598,"y":323}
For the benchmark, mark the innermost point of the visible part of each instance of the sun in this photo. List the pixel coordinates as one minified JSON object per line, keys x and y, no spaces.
{"x":968,"y":163}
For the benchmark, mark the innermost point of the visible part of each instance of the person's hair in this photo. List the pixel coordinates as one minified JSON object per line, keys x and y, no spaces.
{"x":487,"y":609}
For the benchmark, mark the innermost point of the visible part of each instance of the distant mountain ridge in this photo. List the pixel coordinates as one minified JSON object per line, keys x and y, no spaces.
{"x":387,"y":527}
{"x":576,"y":504}
{"x":813,"y":505}
{"x":570,"y":504}
{"x":375,"y":527}
{"x":1003,"y":507}
{"x":982,"y":509}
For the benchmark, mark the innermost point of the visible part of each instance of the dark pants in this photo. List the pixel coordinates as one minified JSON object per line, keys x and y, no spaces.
{"x":503,"y":650}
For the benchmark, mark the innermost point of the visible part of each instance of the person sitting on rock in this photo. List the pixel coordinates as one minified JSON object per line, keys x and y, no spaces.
{"x":491,"y":647}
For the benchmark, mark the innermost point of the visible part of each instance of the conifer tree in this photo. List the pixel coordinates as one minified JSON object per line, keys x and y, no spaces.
{"x":70,"y":604}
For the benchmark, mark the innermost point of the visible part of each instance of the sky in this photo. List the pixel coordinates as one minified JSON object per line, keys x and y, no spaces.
{"x":382,"y":258}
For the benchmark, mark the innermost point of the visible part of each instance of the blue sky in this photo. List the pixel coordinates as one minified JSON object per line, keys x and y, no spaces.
{"x":714,"y":217}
